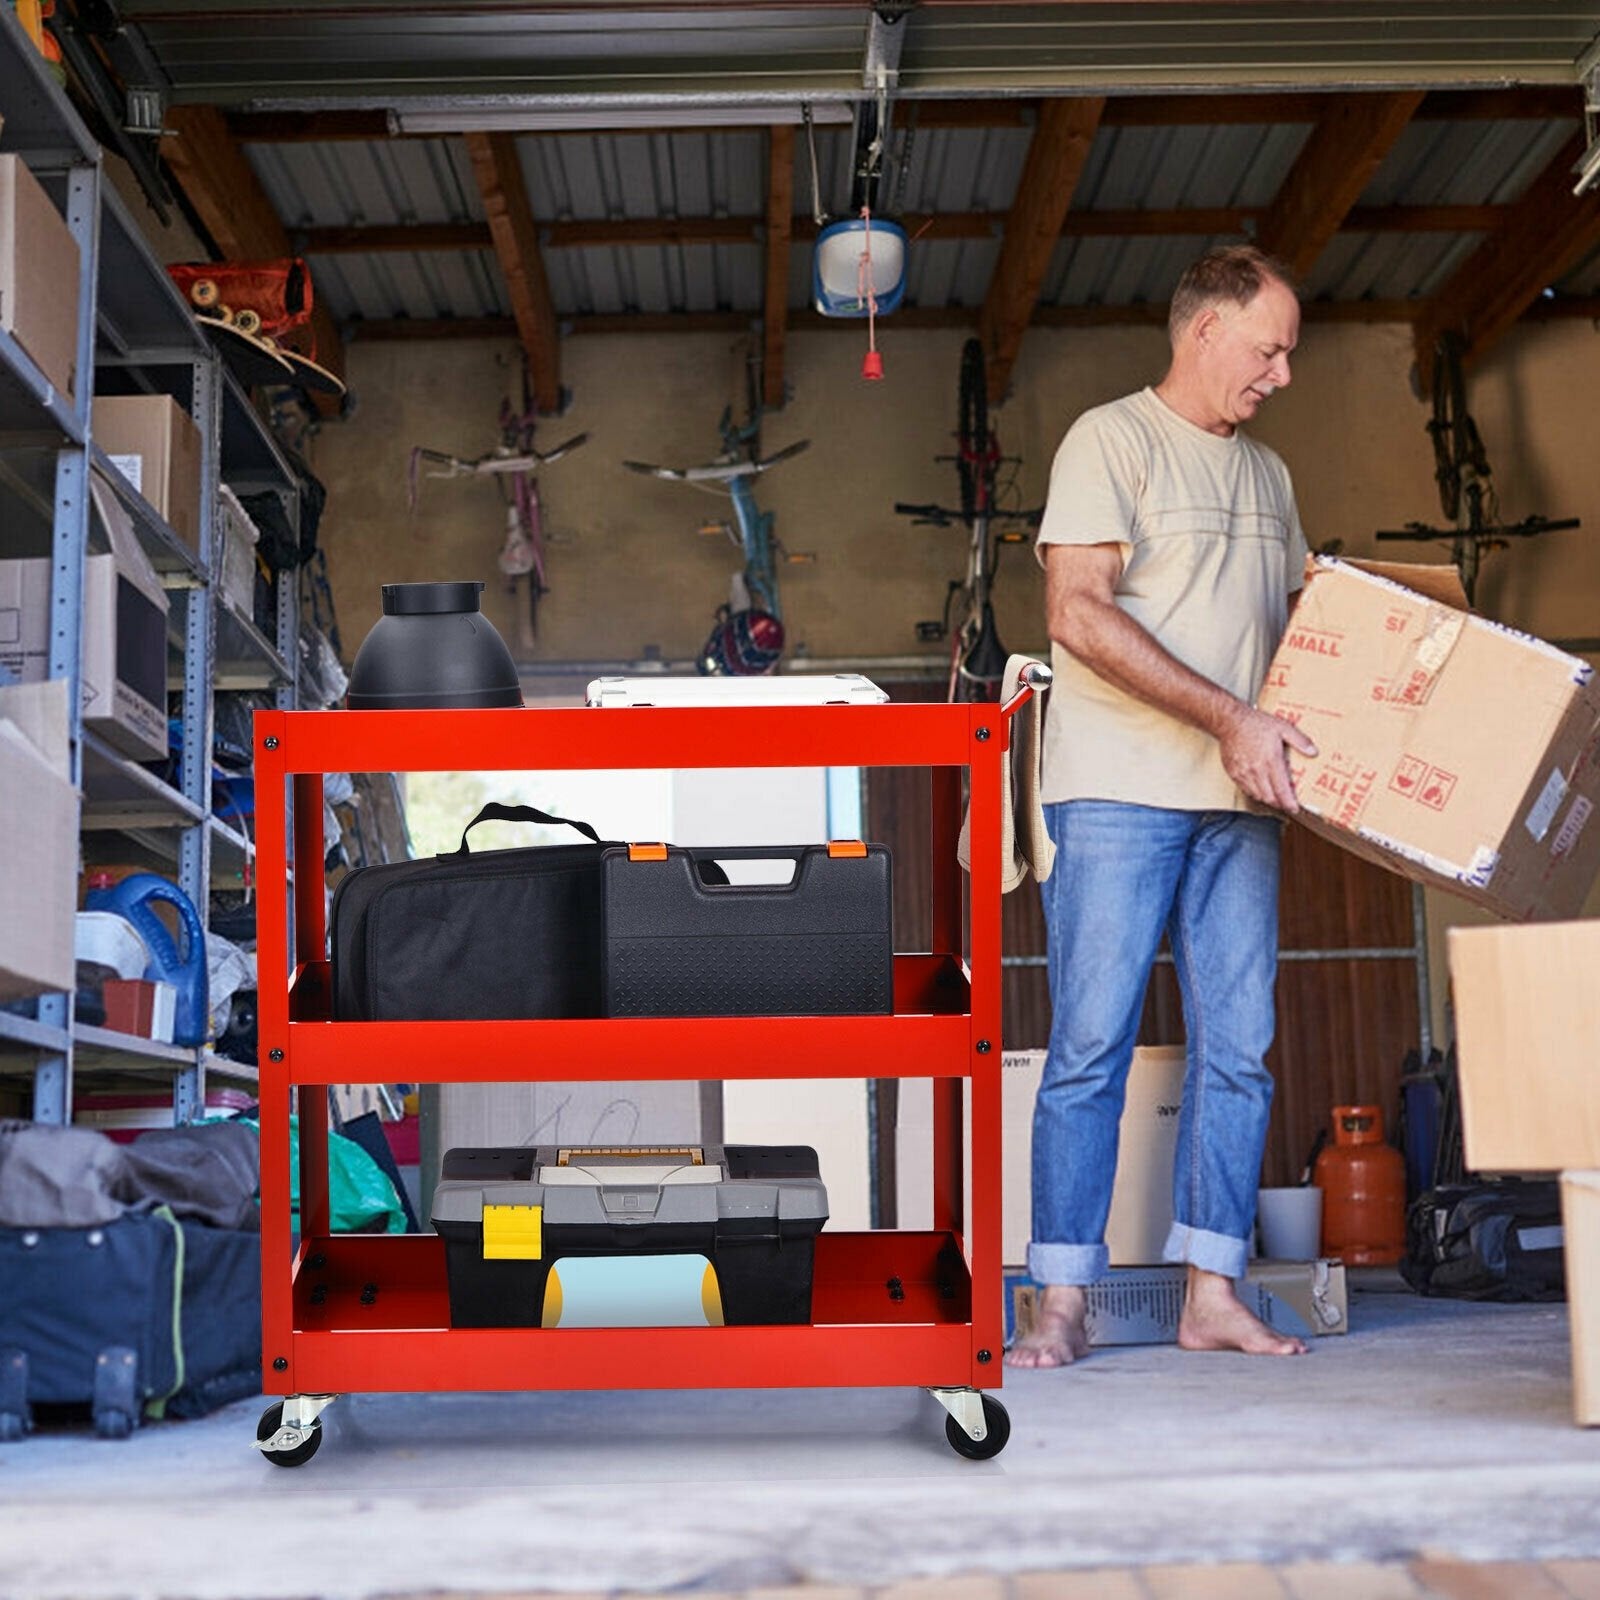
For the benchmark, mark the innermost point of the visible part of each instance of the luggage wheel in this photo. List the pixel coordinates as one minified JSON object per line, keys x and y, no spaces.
{"x":114,"y":1400}
{"x":291,"y":1430}
{"x":977,"y":1426}
{"x":16,"y":1416}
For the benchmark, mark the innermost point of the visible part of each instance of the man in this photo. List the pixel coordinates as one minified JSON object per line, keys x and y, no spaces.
{"x":1171,"y":545}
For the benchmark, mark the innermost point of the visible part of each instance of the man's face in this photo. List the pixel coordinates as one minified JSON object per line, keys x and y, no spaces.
{"x":1244,"y":351}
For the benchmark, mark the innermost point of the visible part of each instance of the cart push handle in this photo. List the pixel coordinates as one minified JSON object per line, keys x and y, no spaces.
{"x":1034,"y":679}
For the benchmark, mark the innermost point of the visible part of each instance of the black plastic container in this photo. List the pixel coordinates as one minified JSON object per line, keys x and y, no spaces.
{"x":432,"y":648}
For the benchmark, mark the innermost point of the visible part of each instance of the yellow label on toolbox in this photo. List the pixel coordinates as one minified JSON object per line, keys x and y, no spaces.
{"x":512,"y":1233}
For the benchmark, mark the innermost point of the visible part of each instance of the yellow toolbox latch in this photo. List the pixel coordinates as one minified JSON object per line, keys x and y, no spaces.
{"x":513,"y":1233}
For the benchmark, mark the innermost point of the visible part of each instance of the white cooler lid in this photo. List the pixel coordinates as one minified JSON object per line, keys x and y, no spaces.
{"x":789,"y":689}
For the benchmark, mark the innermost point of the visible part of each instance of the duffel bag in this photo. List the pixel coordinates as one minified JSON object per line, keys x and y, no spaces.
{"x":472,"y":936}
{"x":1496,"y":1239}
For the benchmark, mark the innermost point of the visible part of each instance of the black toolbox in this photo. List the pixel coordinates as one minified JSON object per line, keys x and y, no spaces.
{"x":739,"y":1224}
{"x":681,"y":941}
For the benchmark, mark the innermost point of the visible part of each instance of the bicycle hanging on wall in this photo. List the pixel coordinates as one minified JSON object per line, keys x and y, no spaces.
{"x":747,"y":634}
{"x":514,"y":464}
{"x":977,"y":657}
{"x":1466,"y":488}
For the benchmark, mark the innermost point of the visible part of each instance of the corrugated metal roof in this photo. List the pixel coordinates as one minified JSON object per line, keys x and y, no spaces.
{"x":719,"y":173}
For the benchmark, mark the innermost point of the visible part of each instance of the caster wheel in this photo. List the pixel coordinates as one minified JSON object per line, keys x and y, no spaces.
{"x":204,"y":292}
{"x":12,"y":1427}
{"x":998,"y":1422}
{"x":247,"y":321}
{"x":271,"y":1421}
{"x":113,"y":1424}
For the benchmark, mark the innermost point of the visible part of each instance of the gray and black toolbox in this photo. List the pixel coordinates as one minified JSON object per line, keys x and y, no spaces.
{"x":682,"y":941}
{"x":728,"y":1232}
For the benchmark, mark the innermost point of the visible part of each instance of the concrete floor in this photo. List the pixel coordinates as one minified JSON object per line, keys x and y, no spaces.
{"x":1433,"y":1428}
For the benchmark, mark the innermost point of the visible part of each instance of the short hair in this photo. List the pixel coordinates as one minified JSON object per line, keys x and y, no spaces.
{"x":1230,"y":272}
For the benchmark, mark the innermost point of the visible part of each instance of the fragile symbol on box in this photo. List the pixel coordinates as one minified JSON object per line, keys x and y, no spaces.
{"x":1437,"y":788}
{"x":1408,"y":776}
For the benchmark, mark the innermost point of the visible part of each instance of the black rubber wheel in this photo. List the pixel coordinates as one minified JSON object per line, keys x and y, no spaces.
{"x":972,"y":459}
{"x":271,"y":1421}
{"x":113,"y":1424}
{"x":996,"y":1419}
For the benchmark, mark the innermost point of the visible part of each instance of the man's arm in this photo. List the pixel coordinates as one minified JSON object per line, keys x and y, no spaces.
{"x":1085,"y":619}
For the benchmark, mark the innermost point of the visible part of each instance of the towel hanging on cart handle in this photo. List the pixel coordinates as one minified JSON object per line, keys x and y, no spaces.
{"x":1026,"y":847}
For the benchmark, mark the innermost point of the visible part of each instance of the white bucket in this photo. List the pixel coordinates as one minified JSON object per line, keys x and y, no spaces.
{"x":107,"y":940}
{"x":1291,"y":1222}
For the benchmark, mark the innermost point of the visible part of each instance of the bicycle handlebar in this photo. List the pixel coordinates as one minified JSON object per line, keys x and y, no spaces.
{"x":943,"y":516}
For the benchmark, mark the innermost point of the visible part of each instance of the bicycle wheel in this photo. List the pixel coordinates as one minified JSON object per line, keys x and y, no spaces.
{"x":972,"y":457}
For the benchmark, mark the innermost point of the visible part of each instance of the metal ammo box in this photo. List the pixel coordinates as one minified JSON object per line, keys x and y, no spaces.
{"x":633,"y":1236}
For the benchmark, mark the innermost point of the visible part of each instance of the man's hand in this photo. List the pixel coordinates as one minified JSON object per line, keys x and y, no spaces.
{"x":1253,"y":755}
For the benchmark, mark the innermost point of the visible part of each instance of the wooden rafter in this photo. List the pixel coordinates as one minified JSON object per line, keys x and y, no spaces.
{"x":780,"y":220}
{"x":1544,"y":234}
{"x":1146,"y":314}
{"x":1352,"y":136}
{"x":1056,"y":158}
{"x":498,"y":170}
{"x":1094,"y":223}
{"x":226,"y":196}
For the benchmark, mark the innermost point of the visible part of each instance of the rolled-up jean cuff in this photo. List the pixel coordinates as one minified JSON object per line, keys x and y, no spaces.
{"x":1210,"y":1252}
{"x":1074,"y":1264}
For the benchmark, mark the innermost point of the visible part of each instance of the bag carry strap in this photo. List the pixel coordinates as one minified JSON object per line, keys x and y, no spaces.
{"x":494,"y":812}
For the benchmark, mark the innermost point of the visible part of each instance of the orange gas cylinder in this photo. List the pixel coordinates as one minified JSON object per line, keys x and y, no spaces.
{"x":1363,"y":1183}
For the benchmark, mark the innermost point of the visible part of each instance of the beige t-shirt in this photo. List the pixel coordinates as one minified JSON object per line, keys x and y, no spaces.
{"x":1211,"y":548}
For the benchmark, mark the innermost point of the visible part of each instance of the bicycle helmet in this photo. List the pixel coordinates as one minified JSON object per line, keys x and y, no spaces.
{"x":742,"y":643}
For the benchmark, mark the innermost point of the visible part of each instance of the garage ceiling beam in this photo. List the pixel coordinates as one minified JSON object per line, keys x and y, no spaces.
{"x":599,"y":233}
{"x":498,"y":170}
{"x":1056,"y":158}
{"x":224,"y":193}
{"x":1352,"y":136}
{"x":1149,"y":314}
{"x":1543,"y":235}
{"x":1533,"y":102}
{"x":780,"y":219}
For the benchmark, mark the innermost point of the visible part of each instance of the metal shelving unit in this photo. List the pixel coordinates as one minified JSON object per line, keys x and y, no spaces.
{"x":135,"y":335}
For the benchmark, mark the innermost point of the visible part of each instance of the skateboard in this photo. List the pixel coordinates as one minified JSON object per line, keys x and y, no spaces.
{"x":256,"y":358}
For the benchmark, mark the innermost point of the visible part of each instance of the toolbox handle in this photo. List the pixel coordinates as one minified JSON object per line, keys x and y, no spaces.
{"x":494,"y":812}
{"x":708,"y":873}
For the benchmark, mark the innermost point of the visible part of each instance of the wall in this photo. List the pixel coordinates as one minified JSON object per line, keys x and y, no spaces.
{"x":630,"y":573}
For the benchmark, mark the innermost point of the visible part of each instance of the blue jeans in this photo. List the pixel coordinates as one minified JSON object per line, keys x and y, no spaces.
{"x":1123,"y":875}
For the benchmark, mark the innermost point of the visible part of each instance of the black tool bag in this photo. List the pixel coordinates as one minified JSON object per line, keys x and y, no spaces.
{"x":1497,"y":1239}
{"x":469,"y":937}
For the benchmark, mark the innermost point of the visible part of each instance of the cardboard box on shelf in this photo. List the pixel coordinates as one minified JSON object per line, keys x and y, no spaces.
{"x":1580,"y":1224}
{"x":38,"y":275}
{"x":141,"y":1006}
{"x":1527,"y":1011}
{"x":236,"y":540}
{"x":157,"y":448}
{"x":38,"y":841}
{"x":1142,"y":1305}
{"x":124,"y":634}
{"x":1451,"y":749}
{"x":1141,"y":1197}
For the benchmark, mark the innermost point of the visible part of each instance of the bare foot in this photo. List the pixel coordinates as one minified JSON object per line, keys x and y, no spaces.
{"x":1058,"y":1337}
{"x":1214,"y":1318}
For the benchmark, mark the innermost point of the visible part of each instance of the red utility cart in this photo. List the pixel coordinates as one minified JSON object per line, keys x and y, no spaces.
{"x":362,"y":1312}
